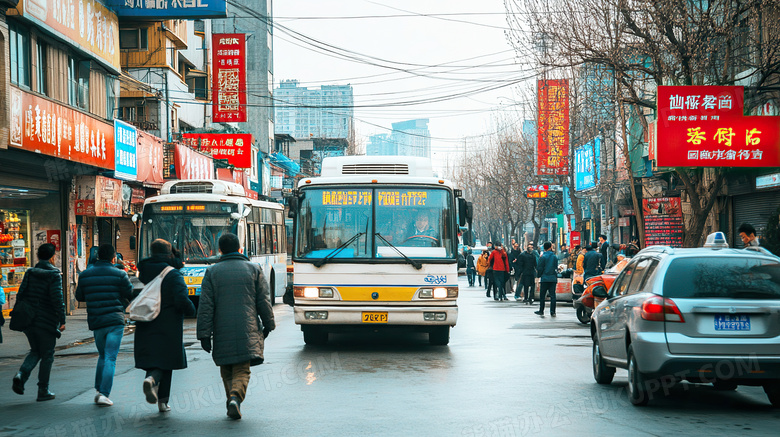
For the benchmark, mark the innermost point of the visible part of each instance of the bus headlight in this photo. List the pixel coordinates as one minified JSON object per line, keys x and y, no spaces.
{"x":426,"y":293}
{"x":439,"y":293}
{"x":314,"y":292}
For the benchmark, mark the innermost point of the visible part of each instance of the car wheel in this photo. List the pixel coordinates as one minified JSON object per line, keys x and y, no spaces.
{"x":637,"y":391}
{"x":314,"y":335}
{"x":601,"y":372}
{"x":772,"y":390}
{"x":439,"y":336}
{"x":725,"y":385}
{"x":582,"y":315}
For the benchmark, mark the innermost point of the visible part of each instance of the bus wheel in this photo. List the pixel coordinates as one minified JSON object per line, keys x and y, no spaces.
{"x":273,"y":289}
{"x":314,"y":335}
{"x":439,"y":336}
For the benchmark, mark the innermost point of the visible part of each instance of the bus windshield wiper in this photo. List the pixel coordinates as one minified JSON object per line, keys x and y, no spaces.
{"x":337,"y":250}
{"x":416,"y":264}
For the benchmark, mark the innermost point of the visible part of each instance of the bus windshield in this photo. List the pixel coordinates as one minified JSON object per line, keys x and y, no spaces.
{"x":368,"y":223}
{"x":192,"y":228}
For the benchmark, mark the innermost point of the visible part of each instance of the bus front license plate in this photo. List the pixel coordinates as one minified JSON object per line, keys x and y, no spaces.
{"x":191,"y":291}
{"x":374,"y":317}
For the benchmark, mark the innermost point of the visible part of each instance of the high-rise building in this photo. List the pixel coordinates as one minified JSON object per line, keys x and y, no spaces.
{"x":408,"y":138}
{"x":324,"y":112}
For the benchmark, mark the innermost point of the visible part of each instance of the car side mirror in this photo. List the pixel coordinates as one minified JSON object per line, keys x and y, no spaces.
{"x":600,"y":292}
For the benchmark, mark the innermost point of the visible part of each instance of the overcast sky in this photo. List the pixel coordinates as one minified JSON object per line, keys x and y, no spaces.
{"x":446,"y":60}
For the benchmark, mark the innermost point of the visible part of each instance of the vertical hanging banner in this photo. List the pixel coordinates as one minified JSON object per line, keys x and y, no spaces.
{"x":125,"y":151}
{"x":192,"y":165}
{"x":229,"y":77}
{"x":553,"y":127}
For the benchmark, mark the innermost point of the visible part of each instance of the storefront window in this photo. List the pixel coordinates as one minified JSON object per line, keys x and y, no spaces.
{"x":14,"y":251}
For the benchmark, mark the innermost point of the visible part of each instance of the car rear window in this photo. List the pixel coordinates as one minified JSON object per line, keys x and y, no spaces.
{"x":723,"y":277}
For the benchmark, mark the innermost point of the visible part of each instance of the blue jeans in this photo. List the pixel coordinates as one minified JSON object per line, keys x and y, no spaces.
{"x":547,"y":288}
{"x":107,"y":341}
{"x":470,"y":273}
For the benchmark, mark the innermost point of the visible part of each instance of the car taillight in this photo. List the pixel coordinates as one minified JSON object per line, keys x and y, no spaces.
{"x":659,"y":309}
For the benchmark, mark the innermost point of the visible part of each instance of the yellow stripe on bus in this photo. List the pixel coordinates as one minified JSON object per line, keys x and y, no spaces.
{"x":385,"y":294}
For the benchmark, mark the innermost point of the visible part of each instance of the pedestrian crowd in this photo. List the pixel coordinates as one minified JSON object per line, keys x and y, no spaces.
{"x":233,"y":319}
{"x":518,"y":270}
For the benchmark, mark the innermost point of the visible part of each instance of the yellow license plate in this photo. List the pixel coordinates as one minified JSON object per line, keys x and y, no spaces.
{"x":191,"y":290}
{"x":374,"y":317}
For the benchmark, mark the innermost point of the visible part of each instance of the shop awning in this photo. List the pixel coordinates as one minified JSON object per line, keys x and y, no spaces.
{"x":290,"y":167}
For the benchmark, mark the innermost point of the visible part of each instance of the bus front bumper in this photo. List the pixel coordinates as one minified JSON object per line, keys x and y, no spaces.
{"x":355,"y":315}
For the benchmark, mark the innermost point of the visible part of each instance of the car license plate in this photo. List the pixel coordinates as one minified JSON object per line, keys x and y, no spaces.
{"x":732,"y":322}
{"x":191,"y":290}
{"x":374,"y":317}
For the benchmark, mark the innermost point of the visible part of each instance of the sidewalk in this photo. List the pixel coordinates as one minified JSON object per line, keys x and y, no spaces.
{"x":76,"y":332}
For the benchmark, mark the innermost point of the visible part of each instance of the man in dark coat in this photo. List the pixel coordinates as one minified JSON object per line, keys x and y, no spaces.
{"x":159,"y":346}
{"x":514,"y":256}
{"x":603,"y":249}
{"x":547,"y":270}
{"x":106,"y":290}
{"x":591,"y":264}
{"x":233,"y":294}
{"x":41,"y":286}
{"x":526,"y":265}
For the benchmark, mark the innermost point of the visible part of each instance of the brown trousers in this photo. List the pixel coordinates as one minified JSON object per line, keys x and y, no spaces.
{"x":235,"y":377}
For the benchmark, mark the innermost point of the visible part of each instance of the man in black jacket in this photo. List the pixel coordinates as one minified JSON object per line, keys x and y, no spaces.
{"x":106,"y":290}
{"x":591,"y":264}
{"x":42,"y":286}
{"x":526,"y":265}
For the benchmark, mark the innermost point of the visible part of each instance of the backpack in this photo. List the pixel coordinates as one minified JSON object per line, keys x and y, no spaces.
{"x":146,"y":306}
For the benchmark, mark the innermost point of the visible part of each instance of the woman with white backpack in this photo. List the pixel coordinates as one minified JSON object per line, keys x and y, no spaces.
{"x":159,"y":348}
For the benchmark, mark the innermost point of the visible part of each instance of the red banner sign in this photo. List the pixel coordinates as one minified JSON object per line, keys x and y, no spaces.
{"x":574,"y":238}
{"x":704,"y":126}
{"x":150,"y":157}
{"x":42,"y":126}
{"x":192,"y":165}
{"x":236,"y":148}
{"x":553,"y":127}
{"x":229,"y":77}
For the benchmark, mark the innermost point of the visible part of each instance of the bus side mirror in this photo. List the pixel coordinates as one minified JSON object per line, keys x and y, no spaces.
{"x":462,"y":213}
{"x":132,"y":242}
{"x":292,"y":202}
{"x":469,"y":211}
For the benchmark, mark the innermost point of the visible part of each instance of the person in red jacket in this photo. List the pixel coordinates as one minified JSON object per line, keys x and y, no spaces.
{"x":499,"y":261}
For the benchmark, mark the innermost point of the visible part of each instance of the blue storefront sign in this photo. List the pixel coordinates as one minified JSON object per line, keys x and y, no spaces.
{"x":125,"y":155}
{"x":585,"y":176}
{"x":168,"y":9}
{"x":567,"y":208}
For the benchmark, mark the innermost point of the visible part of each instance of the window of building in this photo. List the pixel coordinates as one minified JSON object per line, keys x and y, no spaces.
{"x":134,"y":39}
{"x":197,"y":85}
{"x":112,"y":100}
{"x":20,"y":55}
{"x":78,"y":82}
{"x":40,"y":68}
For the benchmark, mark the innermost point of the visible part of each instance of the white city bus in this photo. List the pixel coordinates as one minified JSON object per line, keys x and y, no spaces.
{"x":193,"y":214}
{"x":363,"y":256}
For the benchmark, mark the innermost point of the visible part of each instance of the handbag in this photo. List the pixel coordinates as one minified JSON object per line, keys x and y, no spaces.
{"x":146,"y":306}
{"x":22,"y":316}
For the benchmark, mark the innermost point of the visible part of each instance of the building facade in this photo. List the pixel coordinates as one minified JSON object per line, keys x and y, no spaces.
{"x":324,"y":112}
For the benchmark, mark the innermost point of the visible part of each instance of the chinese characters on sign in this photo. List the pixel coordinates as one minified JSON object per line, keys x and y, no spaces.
{"x":192,"y":165}
{"x":586,"y":159}
{"x":125,"y":146}
{"x":402,"y":198}
{"x":663,"y":221}
{"x":170,"y":9}
{"x":88,"y":23}
{"x":98,"y":196}
{"x":346,"y":198}
{"x":236,"y":148}
{"x":704,"y":126}
{"x":229,"y":77}
{"x":150,"y":162}
{"x":537,"y":192}
{"x":42,"y":126}
{"x":553,"y":128}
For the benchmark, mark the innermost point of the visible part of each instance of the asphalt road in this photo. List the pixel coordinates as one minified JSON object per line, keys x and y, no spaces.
{"x":506,"y":372}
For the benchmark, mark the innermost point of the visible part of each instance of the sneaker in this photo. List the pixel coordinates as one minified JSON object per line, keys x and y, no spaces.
{"x":163,"y":407}
{"x":97,"y":396}
{"x":18,"y":384}
{"x":150,"y":390}
{"x":540,"y":313}
{"x":103,"y":401}
{"x":234,"y":408}
{"x":552,"y":314}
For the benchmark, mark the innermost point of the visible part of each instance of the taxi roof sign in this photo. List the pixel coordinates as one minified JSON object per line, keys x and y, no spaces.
{"x":716,"y":241}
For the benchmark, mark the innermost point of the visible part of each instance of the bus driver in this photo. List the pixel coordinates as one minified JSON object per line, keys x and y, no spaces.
{"x":422,"y":230}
